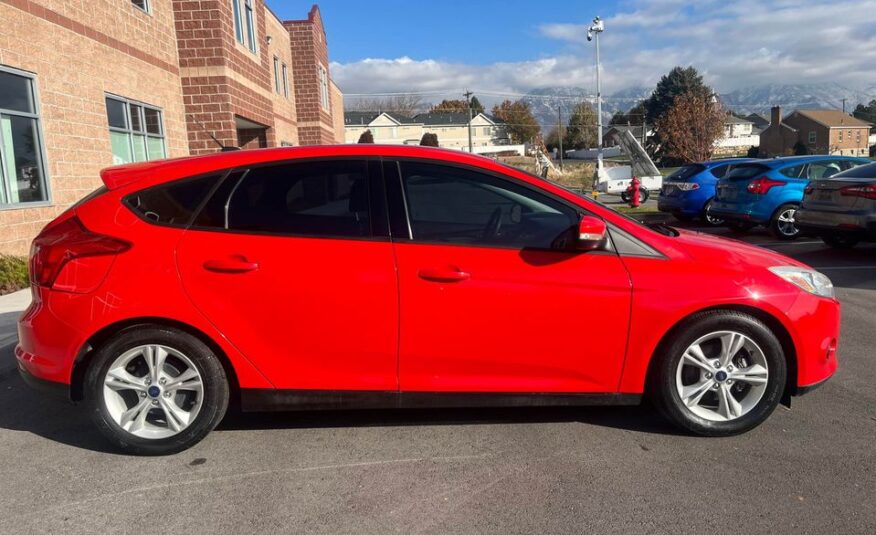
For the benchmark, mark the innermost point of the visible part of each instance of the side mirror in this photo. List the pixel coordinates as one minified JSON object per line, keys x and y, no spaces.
{"x":591,"y":233}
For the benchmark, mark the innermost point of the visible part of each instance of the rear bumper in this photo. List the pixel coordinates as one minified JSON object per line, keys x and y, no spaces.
{"x":52,"y":389}
{"x":738,"y":212}
{"x":680,"y":205}
{"x":815,"y":221}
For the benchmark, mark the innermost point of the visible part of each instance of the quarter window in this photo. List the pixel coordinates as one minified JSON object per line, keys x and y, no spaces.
{"x":794,"y":171}
{"x":460,"y":206}
{"x":22,"y":167}
{"x":173,"y":203}
{"x":136,"y":131}
{"x":305,"y":198}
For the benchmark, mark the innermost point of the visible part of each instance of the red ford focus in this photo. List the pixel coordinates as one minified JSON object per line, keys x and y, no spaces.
{"x":364,"y":276}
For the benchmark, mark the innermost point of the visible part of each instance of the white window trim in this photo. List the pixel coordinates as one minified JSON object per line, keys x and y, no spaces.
{"x":813,"y":136}
{"x":42,"y":152}
{"x":162,"y":135}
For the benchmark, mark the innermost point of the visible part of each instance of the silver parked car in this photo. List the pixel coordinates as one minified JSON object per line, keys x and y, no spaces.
{"x":842,"y":210}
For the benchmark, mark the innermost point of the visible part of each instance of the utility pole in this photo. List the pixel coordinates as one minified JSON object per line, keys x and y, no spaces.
{"x":593,"y":32}
{"x":844,"y":105}
{"x":468,"y":95}
{"x":560,"y":130}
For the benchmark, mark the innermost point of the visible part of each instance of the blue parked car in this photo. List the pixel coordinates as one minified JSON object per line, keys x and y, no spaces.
{"x":768,"y":192}
{"x":688,"y":192}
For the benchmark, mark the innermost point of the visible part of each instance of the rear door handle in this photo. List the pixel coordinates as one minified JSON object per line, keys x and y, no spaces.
{"x":444,"y":274}
{"x":231,"y":264}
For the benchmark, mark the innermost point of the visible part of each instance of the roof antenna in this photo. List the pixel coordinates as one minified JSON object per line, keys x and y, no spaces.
{"x":222,"y":148}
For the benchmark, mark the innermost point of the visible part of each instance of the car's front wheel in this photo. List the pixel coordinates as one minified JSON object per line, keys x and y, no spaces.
{"x":722,"y":373}
{"x":155,"y":390}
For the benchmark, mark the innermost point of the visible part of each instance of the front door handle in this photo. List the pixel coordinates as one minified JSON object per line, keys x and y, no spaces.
{"x":444,"y":274}
{"x":231,"y":264}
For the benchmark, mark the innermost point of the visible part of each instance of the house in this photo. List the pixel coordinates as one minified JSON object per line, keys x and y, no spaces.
{"x":86,"y":85}
{"x":737,"y":137}
{"x":387,"y":128}
{"x":816,"y":131}
{"x":759,"y":121}
{"x":452,"y":129}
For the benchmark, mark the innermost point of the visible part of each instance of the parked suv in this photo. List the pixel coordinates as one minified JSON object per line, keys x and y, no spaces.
{"x":363,"y":276}
{"x":768,"y":192}
{"x":688,"y":192}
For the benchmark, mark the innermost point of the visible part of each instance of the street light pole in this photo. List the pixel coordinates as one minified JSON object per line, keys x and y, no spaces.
{"x":593,"y":32}
{"x":468,"y":95}
{"x":560,"y":130}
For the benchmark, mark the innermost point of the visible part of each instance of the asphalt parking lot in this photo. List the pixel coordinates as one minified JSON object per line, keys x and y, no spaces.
{"x":810,"y":469}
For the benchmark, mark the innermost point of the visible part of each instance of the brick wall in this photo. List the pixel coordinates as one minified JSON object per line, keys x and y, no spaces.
{"x":78,"y":52}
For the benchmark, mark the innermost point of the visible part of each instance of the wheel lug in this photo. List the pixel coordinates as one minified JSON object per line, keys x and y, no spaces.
{"x":729,"y":368}
{"x":155,"y":402}
{"x":708,"y":375}
{"x":142,"y":394}
{"x":148,"y":381}
{"x":715,"y":386}
{"x":167,"y":394}
{"x":162,"y":381}
{"x":717,"y":363}
{"x":729,"y":381}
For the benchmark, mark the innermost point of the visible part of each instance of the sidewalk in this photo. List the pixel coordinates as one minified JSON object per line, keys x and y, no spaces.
{"x":11,"y":307}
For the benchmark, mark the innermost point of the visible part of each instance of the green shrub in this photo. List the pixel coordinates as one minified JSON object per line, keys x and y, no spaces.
{"x":13,"y":273}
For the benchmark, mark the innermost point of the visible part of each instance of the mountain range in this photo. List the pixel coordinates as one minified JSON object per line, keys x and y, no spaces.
{"x":546,"y":101}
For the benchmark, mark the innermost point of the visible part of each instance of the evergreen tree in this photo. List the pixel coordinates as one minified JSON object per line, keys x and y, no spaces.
{"x":366,"y":137}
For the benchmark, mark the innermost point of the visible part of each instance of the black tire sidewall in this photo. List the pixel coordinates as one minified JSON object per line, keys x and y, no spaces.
{"x":664,"y":387}
{"x":215,"y":392}
{"x":705,"y":216}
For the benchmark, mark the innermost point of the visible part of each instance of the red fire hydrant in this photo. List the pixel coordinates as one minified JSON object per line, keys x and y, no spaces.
{"x":635,"y":192}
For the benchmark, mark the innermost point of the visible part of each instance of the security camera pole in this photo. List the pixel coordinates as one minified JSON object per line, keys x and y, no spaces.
{"x":595,"y":29}
{"x":467,"y":96}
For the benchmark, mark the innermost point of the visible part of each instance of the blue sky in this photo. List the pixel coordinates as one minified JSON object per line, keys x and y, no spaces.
{"x":512,"y":45}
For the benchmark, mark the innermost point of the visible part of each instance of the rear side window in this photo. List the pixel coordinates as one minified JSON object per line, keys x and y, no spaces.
{"x":720,"y":171}
{"x":327,"y":198}
{"x":173,"y":203}
{"x":795,"y":171}
{"x":823,"y":169}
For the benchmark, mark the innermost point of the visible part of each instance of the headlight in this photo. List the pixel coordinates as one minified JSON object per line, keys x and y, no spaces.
{"x":806,"y":279}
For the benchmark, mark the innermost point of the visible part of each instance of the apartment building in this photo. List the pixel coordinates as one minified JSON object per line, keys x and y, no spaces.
{"x":86,"y":85}
{"x":452,"y":129}
{"x":818,"y":131}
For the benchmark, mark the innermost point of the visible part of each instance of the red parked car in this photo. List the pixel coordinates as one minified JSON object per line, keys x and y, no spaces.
{"x":363,"y":276}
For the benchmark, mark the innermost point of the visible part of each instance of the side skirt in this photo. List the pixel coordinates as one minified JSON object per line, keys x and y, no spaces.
{"x":253,"y":400}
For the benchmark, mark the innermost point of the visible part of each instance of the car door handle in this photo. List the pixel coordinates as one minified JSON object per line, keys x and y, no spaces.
{"x":444,"y":274}
{"x":231,"y":264}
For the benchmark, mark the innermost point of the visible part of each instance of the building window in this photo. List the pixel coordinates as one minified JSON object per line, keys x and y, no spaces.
{"x":858,"y":137}
{"x":323,"y":88}
{"x":812,"y":136}
{"x":142,"y":4}
{"x":840,"y":136}
{"x":250,"y":26}
{"x":22,"y":162}
{"x":136,"y":131}
{"x":277,"y":75}
{"x":244,"y":23}
{"x":285,"y":81}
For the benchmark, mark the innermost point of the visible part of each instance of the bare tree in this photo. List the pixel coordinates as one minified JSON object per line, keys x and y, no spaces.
{"x":407,"y":105}
{"x":691,"y":126}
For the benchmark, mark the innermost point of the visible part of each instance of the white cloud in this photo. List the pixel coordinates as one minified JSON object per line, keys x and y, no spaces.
{"x":735,"y":44}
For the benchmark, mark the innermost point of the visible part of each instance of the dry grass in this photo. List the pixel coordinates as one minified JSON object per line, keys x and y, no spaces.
{"x":13,"y":274}
{"x":576,"y":173}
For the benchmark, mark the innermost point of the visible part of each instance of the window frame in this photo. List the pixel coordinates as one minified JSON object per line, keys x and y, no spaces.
{"x":147,"y":6}
{"x":40,"y":154}
{"x":129,"y":129}
{"x":813,"y":137}
{"x":285,"y":80}
{"x":324,"y":91}
{"x":237,"y":20}
{"x":249,"y":20}
{"x":399,"y":212}
{"x":277,"y":75}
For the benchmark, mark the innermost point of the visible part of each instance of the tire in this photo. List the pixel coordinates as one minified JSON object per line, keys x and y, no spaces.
{"x":644,"y":195}
{"x":708,"y":219}
{"x":739,"y":226}
{"x":840,"y":241}
{"x":708,"y":414}
{"x":134,"y":411}
{"x":782,"y":224}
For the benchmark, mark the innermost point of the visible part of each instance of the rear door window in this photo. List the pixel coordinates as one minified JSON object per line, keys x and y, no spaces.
{"x":795,"y":171}
{"x":173,"y":203}
{"x":823,"y":169}
{"x":720,"y":171}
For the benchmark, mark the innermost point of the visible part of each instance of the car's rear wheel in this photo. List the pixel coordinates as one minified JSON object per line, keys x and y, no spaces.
{"x":784,"y":225}
{"x":722,"y":373}
{"x":155,"y":390}
{"x":709,"y":218}
{"x":739,"y":226}
{"x":840,"y":241}
{"x":644,"y":195}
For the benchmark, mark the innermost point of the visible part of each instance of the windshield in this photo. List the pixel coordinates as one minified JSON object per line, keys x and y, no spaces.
{"x":685,"y":172}
{"x":746,"y":171}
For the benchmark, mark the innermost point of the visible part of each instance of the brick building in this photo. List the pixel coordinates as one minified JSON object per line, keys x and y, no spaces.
{"x":87,"y":85}
{"x":818,"y":131}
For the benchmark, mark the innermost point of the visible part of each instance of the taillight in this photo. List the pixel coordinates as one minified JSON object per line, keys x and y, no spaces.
{"x":763,"y":184}
{"x":687,"y":186}
{"x":868,"y":191}
{"x":808,"y":190}
{"x":62,"y":242}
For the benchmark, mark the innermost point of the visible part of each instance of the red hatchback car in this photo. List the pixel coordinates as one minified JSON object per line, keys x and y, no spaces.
{"x":363,"y":276}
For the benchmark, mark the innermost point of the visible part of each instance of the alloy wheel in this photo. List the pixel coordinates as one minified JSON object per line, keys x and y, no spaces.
{"x":722,"y":376}
{"x":153,"y":391}
{"x":786,"y":222}
{"x":710,"y":219}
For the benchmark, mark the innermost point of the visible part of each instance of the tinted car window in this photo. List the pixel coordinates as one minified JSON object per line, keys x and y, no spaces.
{"x":302,"y":198}
{"x":453,"y":205}
{"x":863,"y":171}
{"x":823,"y":169}
{"x":720,"y":171}
{"x":685,"y":172}
{"x":795,"y":171}
{"x":172,"y":203}
{"x":746,"y":171}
